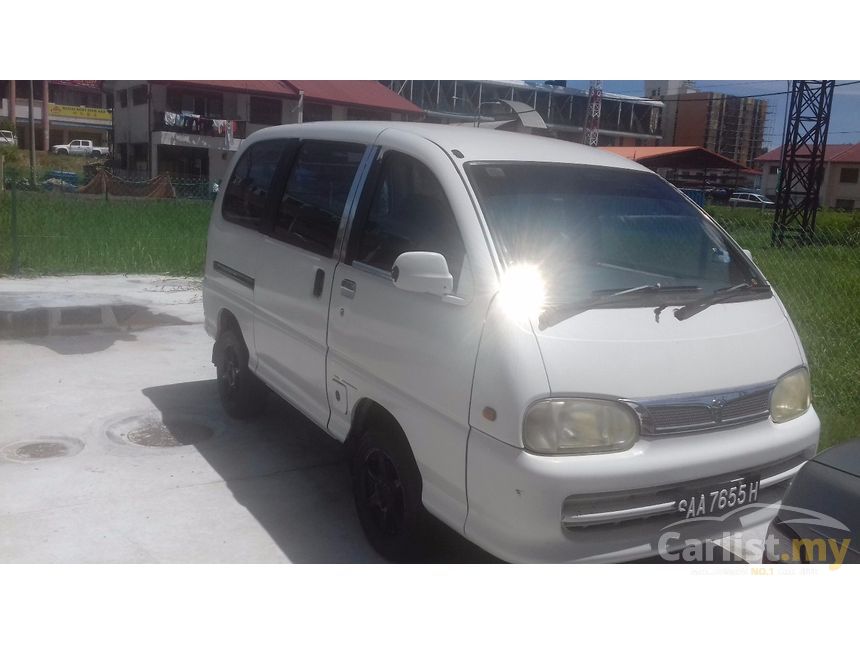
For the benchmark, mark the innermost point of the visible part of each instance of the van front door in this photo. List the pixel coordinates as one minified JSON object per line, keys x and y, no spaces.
{"x":295,"y":269}
{"x":412,"y":353}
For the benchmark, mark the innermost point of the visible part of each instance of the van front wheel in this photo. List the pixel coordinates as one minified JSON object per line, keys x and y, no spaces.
{"x":242,"y":394}
{"x":387,"y":488}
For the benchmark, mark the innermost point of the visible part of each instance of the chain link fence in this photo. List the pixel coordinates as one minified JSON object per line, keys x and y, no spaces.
{"x":66,"y":222}
{"x":54,"y":227}
{"x":819,"y":283}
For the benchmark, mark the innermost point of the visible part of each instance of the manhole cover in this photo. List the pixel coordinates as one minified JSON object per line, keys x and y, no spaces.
{"x":45,"y":448}
{"x":167,"y":434}
{"x":153,"y":430}
{"x":42,"y":450}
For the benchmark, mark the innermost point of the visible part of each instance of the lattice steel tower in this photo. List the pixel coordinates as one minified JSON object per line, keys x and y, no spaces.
{"x":802,"y":167}
{"x":591,"y":133}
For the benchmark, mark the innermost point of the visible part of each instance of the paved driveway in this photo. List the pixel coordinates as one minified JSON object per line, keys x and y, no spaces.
{"x":114,"y":448}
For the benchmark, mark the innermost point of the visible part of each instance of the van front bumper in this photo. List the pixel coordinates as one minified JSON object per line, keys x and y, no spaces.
{"x":618,"y":507}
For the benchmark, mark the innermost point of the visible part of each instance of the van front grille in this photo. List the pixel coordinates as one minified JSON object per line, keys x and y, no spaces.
{"x":706,"y":411}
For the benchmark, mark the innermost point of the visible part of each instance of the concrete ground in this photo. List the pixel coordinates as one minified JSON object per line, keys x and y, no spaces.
{"x":101,"y":382}
{"x":114,"y":446}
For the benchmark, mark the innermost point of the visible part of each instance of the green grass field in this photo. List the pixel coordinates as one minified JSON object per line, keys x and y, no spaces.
{"x":819,"y":284}
{"x":75,"y":234}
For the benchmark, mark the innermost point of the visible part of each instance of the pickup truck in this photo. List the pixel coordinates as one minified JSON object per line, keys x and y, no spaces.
{"x":7,"y":138}
{"x":81,"y":147}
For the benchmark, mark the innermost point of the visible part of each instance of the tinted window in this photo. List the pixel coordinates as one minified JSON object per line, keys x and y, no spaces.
{"x":316,"y":112}
{"x":317,"y":189}
{"x":138,"y":94}
{"x":245,"y":194}
{"x":849,"y":175}
{"x":408,"y":212}
{"x":267,"y":111}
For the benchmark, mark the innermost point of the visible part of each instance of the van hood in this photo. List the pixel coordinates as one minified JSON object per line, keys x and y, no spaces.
{"x":629,"y":353}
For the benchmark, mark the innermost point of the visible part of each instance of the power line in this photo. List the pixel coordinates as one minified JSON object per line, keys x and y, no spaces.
{"x":730,"y":96}
{"x":734,"y":84}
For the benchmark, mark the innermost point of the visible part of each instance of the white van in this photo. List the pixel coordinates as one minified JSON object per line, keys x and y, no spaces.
{"x":546,"y":346}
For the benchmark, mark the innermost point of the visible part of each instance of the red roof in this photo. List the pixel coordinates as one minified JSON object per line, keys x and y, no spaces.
{"x":370,"y":94}
{"x":637,"y":153}
{"x":366,"y":94}
{"x":835,"y":152}
{"x":276,"y":88}
{"x":675,"y":157}
{"x":92,"y":85}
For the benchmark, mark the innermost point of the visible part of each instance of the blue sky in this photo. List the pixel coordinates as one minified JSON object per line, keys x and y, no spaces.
{"x":844,"y":120}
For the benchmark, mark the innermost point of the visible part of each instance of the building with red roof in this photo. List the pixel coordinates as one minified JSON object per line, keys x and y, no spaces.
{"x":690,"y":166}
{"x":840,"y":187}
{"x":189,"y":128}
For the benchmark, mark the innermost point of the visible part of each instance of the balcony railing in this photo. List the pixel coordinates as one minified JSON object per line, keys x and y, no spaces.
{"x":197,"y":124}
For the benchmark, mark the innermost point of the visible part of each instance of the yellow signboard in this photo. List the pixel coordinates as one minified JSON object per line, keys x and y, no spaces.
{"x":67,"y":111}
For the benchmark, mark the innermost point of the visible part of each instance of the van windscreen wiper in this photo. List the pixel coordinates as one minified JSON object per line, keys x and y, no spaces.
{"x":555,"y":315}
{"x":726,"y":293}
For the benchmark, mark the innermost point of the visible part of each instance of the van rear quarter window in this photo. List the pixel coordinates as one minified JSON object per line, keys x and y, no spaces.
{"x":245,"y":196}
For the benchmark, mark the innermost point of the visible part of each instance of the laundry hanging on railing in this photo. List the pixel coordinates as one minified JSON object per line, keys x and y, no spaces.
{"x":225,"y":128}
{"x":188,"y":120}
{"x":202,"y":125}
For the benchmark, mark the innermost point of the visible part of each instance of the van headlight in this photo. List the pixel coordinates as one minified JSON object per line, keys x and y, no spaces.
{"x":579,"y":426}
{"x":791,"y":397}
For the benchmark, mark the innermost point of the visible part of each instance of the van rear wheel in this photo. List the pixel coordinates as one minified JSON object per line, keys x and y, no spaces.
{"x":242,"y":394}
{"x":386,"y":484}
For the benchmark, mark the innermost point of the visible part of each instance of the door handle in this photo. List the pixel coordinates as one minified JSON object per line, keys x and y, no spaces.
{"x":319,"y":278}
{"x":347,"y":288}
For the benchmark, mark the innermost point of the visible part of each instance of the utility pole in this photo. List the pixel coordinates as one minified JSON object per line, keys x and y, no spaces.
{"x":32,"y":137}
{"x":46,"y":118}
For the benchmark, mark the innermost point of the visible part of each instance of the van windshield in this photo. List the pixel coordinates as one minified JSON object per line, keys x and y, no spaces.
{"x":593,"y":230}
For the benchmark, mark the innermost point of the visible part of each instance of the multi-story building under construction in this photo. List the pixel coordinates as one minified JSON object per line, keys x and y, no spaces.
{"x":731,"y":126}
{"x":624,"y":120}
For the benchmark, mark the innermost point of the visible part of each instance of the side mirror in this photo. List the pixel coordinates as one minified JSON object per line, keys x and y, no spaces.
{"x":748,"y":254}
{"x":422,"y":272}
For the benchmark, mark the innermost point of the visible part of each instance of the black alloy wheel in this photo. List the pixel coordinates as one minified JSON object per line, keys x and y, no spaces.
{"x":242,"y":394}
{"x":387,"y":489}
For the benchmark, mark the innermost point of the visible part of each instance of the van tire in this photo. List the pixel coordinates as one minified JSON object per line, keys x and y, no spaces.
{"x":386,"y":484}
{"x":242,"y":394}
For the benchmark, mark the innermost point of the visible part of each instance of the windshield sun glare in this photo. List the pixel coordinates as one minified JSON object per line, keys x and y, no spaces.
{"x":523,"y":292}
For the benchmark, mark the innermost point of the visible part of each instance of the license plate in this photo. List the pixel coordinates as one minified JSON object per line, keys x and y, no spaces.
{"x":719,"y":499}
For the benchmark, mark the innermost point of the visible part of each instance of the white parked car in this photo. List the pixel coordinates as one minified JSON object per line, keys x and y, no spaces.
{"x":8,"y":138}
{"x":544,"y":345}
{"x":750,"y":200}
{"x":80,"y":147}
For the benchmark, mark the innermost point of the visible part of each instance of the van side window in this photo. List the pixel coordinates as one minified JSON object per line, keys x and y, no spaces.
{"x":408,"y":212}
{"x":245,"y":195}
{"x":315,"y":197}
